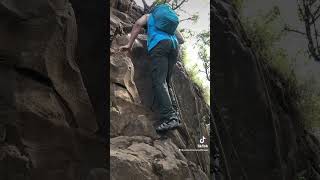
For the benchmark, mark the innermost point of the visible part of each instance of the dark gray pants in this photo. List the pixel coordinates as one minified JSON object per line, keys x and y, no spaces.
{"x":164,"y":57}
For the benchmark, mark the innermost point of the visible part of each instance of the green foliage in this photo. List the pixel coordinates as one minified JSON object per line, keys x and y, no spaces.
{"x":238,"y":4}
{"x":203,"y":43}
{"x":301,"y":178}
{"x":173,"y":3}
{"x":193,"y":71}
{"x":204,"y":37}
{"x":161,"y":1}
{"x":309,"y":103}
{"x":194,"y":18}
{"x":264,"y":37}
{"x":187,"y":33}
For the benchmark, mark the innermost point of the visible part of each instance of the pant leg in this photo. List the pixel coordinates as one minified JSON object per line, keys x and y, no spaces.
{"x":160,"y":60}
{"x":173,"y":57}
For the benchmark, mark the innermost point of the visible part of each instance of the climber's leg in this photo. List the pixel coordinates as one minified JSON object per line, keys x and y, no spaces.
{"x":173,"y":57}
{"x":159,"y":56}
{"x":172,"y":97}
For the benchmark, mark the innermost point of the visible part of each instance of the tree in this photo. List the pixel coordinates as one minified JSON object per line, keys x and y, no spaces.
{"x":203,"y":43}
{"x":309,"y":14}
{"x":175,"y":4}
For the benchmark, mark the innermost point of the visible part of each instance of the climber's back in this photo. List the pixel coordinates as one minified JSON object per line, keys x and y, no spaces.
{"x":162,"y":24}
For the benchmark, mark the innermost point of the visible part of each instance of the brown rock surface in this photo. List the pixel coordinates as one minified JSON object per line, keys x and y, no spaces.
{"x":137,"y":151}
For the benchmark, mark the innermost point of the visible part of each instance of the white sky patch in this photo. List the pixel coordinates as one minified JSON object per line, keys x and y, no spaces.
{"x":194,"y":59}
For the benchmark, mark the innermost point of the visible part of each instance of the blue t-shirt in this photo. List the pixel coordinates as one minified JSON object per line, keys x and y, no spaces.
{"x":155,"y":35}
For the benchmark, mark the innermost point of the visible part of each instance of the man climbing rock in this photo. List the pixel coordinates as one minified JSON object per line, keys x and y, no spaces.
{"x":163,"y":49}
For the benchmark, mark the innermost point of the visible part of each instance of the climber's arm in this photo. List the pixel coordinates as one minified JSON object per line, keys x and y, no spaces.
{"x":135,"y":31}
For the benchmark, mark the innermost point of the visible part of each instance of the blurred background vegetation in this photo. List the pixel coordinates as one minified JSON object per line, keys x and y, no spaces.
{"x":285,"y":51}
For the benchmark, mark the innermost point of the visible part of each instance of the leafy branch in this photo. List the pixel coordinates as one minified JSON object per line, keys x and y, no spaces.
{"x":309,"y":13}
{"x":176,"y":5}
{"x":194,"y":18}
{"x":203,"y":43}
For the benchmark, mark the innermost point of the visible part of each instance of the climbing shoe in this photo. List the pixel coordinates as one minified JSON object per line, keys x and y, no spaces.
{"x":171,"y":124}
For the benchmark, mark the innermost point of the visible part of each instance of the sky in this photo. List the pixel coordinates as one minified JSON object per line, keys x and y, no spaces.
{"x":202,"y":7}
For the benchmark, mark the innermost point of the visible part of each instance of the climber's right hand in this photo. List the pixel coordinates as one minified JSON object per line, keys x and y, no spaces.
{"x":125,"y":48}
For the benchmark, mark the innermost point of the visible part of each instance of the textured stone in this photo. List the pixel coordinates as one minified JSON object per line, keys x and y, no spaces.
{"x":53,"y":134}
{"x":137,"y":151}
{"x":142,"y":158}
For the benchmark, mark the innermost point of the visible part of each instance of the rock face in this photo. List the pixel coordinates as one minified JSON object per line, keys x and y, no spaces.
{"x":259,"y":124}
{"x":52,"y":137}
{"x":137,"y":152}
